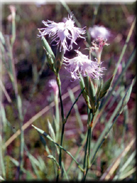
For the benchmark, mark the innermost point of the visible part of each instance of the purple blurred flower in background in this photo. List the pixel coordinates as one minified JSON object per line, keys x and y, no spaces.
{"x":100,"y":35}
{"x":54,"y":86}
{"x":99,"y":31}
{"x":82,"y":65}
{"x":119,"y":69}
{"x":13,"y":13}
{"x":60,"y":32}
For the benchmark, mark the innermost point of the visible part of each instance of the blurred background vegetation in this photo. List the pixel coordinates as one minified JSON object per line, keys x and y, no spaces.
{"x":33,"y":76}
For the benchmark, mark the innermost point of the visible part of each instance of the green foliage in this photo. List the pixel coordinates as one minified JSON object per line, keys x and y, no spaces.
{"x":104,"y":89}
{"x":8,"y":168}
{"x":89,"y":87}
{"x":86,"y":97}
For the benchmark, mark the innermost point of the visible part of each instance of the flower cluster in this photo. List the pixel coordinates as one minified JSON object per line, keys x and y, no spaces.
{"x":64,"y":34}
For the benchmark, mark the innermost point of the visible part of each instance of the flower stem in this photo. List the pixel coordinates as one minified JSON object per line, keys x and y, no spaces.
{"x":73,"y":105}
{"x":62,"y":114}
{"x":63,"y":124}
{"x":19,"y":108}
{"x":88,"y":145}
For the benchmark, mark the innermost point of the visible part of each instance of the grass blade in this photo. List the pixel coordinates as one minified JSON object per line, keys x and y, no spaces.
{"x":114,"y":165}
{"x":48,"y":137}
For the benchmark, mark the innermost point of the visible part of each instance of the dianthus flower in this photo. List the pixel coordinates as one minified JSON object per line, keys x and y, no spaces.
{"x":60,"y":32}
{"x":13,"y":13}
{"x":99,"y":31}
{"x":98,"y":45}
{"x":82,"y":65}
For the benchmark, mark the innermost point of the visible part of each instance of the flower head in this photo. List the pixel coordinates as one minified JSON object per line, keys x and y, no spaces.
{"x":82,"y":65}
{"x":13,"y":12}
{"x":60,"y":32}
{"x":99,"y":31}
{"x":119,"y":69}
{"x":97,"y":46}
{"x":54,"y":86}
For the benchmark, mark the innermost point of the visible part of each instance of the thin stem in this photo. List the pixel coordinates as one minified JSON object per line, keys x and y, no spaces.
{"x":19,"y":107}
{"x":67,"y":153}
{"x":77,"y":153}
{"x":61,"y":142}
{"x":62,"y":114}
{"x":61,"y":147}
{"x":88,"y":145}
{"x":85,"y":156}
{"x":73,"y":105}
{"x":57,"y":117}
{"x":88,"y":153}
{"x":60,"y":96}
{"x":63,"y":124}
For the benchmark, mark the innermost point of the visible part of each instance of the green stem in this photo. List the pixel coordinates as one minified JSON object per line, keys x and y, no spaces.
{"x":62,"y":114}
{"x":57,"y":117}
{"x":77,"y":153}
{"x":60,"y":96}
{"x":48,"y":137}
{"x":73,"y":105}
{"x":85,"y":156}
{"x":19,"y":108}
{"x":88,"y":153}
{"x":88,"y":145}
{"x":61,"y":142}
{"x":63,"y":124}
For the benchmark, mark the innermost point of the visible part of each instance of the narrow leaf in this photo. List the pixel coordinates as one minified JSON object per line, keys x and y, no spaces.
{"x":50,"y":61}
{"x":128,"y":93}
{"x":54,"y":159}
{"x":48,"y":137}
{"x":111,"y":169}
{"x":90,"y":91}
{"x":59,"y":58}
{"x":125,"y":165}
{"x":51,"y":131}
{"x":72,"y":97}
{"x":85,"y":95}
{"x":100,"y":84}
{"x":105,"y":87}
{"x":127,"y":174}
{"x":47,"y":47}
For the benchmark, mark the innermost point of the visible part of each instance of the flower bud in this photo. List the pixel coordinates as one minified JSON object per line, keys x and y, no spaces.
{"x":54,"y":86}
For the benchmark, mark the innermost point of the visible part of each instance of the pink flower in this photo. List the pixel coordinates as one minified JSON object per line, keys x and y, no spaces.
{"x":13,"y":13}
{"x":82,"y":65}
{"x":98,"y":45}
{"x":99,"y":31}
{"x":60,"y":32}
{"x":54,"y":86}
{"x":119,"y":69}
